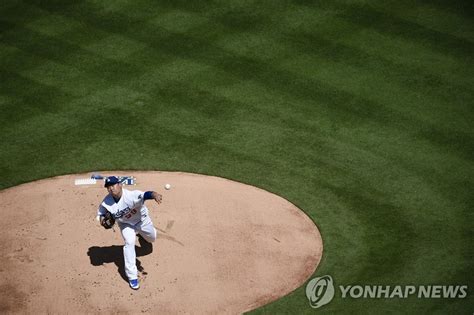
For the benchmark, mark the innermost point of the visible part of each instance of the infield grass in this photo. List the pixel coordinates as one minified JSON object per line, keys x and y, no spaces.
{"x":359,"y":112}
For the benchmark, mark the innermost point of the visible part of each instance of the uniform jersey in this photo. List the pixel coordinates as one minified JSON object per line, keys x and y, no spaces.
{"x":129,"y":209}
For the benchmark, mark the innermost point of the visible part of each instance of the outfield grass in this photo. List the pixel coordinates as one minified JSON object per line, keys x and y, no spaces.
{"x":359,"y":112}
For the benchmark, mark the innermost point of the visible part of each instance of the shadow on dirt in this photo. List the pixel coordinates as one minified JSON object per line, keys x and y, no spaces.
{"x":114,"y":254}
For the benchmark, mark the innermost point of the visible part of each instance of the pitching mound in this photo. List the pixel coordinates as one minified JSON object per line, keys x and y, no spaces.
{"x":223,"y":247}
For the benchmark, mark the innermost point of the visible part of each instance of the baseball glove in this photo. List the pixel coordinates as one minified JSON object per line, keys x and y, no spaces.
{"x":108,"y":220}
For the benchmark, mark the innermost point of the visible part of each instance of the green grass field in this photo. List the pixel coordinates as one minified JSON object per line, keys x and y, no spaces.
{"x":359,"y":112}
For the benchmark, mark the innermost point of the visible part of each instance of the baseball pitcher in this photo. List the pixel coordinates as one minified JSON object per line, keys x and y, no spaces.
{"x":129,"y":210}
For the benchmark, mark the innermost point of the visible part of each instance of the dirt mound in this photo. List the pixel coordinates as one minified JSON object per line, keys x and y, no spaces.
{"x":223,"y":247}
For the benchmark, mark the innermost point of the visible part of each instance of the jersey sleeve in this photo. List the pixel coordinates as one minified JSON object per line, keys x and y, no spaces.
{"x":101,"y":211}
{"x":138,"y":198}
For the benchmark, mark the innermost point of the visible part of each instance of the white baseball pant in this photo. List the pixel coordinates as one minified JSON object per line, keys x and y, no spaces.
{"x":129,"y":232}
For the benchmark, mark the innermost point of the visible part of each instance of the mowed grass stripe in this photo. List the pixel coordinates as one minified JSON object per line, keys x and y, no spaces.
{"x":83,"y":55}
{"x":387,"y":87}
{"x":346,"y":56}
{"x":255,"y":101}
{"x":382,"y":168}
{"x":332,"y":21}
{"x":100,"y":64}
{"x":373,"y":67}
{"x":406,"y":61}
{"x":62,"y":71}
{"x":387,"y":23}
{"x":92,"y":117}
{"x":294,"y":155}
{"x":397,"y":105}
{"x":432,"y":17}
{"x":179,"y":108}
{"x":132,"y":62}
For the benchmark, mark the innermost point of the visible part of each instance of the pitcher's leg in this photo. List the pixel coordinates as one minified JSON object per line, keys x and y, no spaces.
{"x":147,"y":231}
{"x":129,"y":255}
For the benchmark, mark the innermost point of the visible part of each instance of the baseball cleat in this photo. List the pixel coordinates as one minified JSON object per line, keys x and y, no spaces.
{"x":134,"y":284}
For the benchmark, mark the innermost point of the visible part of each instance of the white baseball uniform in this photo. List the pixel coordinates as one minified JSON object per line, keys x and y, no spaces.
{"x":132,"y":217}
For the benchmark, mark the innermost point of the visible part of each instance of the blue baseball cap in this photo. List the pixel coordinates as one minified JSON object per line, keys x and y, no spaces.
{"x":111,"y":180}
